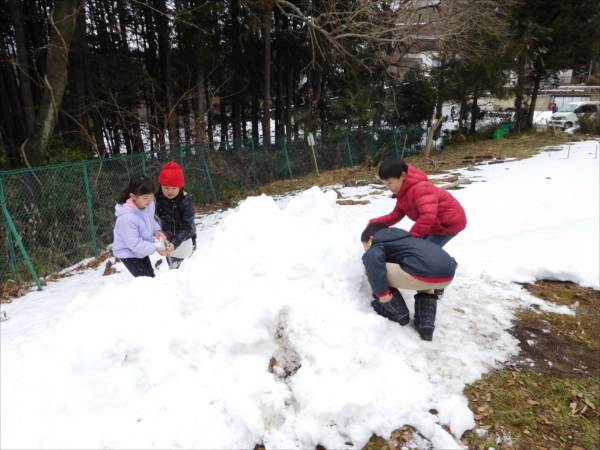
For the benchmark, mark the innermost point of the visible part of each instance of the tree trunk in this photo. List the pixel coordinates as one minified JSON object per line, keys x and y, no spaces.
{"x":474,"y":112}
{"x":322,"y":103}
{"x":200,"y":110}
{"x":127,"y":139}
{"x":186,"y":121}
{"x":9,"y":122}
{"x":236,"y":57}
{"x":243,"y":122}
{"x":519,"y":88}
{"x":267,"y":102}
{"x":314,"y":93}
{"x":61,"y":24}
{"x":462,"y":115}
{"x":223,"y":119}
{"x":288,"y":101}
{"x":438,"y":114}
{"x":98,"y":135}
{"x":137,"y":141}
{"x":279,"y":89}
{"x":209,"y":117}
{"x":534,"y":95}
{"x":79,"y":72}
{"x":164,"y":51}
{"x":255,"y":117}
{"x":24,"y":70}
{"x":296,"y":103}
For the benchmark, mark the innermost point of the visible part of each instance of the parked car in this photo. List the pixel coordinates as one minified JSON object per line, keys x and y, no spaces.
{"x":569,"y":114}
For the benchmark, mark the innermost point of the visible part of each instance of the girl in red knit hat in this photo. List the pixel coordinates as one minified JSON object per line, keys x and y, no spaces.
{"x":175,"y":211}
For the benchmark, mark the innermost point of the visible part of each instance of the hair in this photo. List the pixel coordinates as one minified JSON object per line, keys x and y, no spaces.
{"x":370,"y":231}
{"x":137,"y":186}
{"x":392,"y":167}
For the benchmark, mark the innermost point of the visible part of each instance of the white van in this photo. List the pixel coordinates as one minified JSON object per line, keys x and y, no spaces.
{"x":568,"y":115}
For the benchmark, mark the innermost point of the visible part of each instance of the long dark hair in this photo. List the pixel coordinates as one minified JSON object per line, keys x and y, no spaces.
{"x":137,"y":186}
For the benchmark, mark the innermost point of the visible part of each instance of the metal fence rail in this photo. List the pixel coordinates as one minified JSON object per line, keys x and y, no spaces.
{"x":52,"y":217}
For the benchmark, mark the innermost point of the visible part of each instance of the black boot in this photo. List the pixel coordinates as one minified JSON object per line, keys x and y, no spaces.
{"x":425,"y":310}
{"x":394,"y":310}
{"x":439,"y":293}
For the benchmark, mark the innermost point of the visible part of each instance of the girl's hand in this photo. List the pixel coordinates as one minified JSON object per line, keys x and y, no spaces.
{"x":170,"y":247}
{"x":160,"y":235}
{"x":162,"y":251}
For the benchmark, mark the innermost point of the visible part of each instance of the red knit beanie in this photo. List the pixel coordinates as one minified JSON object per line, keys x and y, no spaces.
{"x":171,"y":175}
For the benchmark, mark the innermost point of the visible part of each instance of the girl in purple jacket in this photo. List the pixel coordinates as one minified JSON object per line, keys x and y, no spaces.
{"x":136,"y":229}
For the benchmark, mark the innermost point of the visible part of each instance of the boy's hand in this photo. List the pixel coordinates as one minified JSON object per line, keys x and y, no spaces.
{"x":170,"y":246}
{"x":162,"y":251}
{"x":385,"y":298}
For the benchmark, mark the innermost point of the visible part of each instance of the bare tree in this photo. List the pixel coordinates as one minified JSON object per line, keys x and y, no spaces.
{"x":61,"y":24}
{"x":396,"y":25}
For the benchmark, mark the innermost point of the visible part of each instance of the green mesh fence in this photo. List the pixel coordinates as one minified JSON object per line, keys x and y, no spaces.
{"x":65,"y":213}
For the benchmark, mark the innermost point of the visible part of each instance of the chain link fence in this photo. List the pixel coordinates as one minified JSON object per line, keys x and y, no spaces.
{"x":52,"y":217}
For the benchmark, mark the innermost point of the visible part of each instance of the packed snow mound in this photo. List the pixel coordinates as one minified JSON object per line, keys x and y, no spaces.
{"x":266,"y":333}
{"x":183,"y":360}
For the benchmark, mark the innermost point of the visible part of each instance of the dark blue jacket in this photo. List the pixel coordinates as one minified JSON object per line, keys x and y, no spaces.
{"x":422,"y":259}
{"x":176,"y":217}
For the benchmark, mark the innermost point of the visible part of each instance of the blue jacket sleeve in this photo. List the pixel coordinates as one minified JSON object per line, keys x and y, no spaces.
{"x":130,"y":235}
{"x":374,"y":261}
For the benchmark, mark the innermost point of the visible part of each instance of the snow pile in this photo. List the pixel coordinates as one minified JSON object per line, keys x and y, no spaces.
{"x":266,"y":334}
{"x":535,"y":218}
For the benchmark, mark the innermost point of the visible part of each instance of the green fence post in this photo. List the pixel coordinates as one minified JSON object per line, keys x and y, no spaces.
{"x":207,"y":171}
{"x":144,"y":168}
{"x":287,"y":159}
{"x":404,"y":142}
{"x":12,"y":229}
{"x":349,"y":148}
{"x":90,"y":208}
{"x":253,"y":164}
{"x":12,"y":257}
{"x":395,"y":141}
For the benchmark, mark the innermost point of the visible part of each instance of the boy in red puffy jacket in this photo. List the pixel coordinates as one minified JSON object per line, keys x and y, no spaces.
{"x":437,"y":214}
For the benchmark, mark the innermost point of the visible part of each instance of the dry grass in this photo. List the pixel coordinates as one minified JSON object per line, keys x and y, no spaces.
{"x":460,"y":154}
{"x":556,"y":402}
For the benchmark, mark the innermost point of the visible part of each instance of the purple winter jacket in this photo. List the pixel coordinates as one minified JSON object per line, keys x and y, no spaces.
{"x":134,"y":231}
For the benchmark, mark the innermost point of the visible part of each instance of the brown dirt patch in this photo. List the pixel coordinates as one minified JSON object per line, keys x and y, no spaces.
{"x":556,"y":343}
{"x":549,"y":396}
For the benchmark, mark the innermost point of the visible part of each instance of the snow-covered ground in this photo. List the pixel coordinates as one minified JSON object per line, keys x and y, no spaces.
{"x":182,"y":360}
{"x":541,"y":117}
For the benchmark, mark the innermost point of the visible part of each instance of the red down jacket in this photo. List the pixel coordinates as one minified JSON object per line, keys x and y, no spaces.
{"x":434,"y":210}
